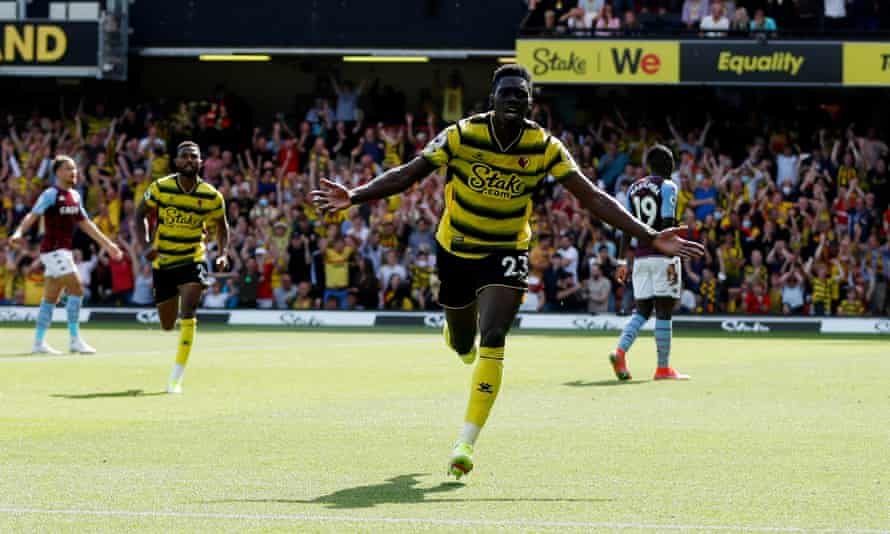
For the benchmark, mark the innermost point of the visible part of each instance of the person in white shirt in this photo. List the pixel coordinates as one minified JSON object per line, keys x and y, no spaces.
{"x":285,"y":293}
{"x":786,"y":166}
{"x":716,"y":20}
{"x":570,"y":253}
{"x":836,"y":14}
{"x":85,"y":271}
{"x":152,"y":141}
{"x":215,"y":298}
{"x":792,"y":293}
{"x":392,"y":267}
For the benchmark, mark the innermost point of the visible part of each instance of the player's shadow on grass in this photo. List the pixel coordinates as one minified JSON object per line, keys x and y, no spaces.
{"x":109,"y":395}
{"x":603,"y":383}
{"x":402,"y":489}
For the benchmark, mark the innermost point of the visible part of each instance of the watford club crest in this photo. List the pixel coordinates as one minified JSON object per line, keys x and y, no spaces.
{"x":523,"y":162}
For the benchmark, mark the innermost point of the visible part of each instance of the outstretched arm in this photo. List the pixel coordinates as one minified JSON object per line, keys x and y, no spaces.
{"x":704,"y":133}
{"x":334,"y":196}
{"x":605,"y":207}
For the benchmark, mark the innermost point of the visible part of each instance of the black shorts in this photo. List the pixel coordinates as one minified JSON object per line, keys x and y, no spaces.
{"x":462,"y":278}
{"x":167,"y":281}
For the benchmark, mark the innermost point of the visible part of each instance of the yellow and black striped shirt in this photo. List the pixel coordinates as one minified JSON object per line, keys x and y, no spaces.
{"x":489,"y":186}
{"x":420,"y":276}
{"x":851,"y":307}
{"x":823,"y":291}
{"x":182,"y":220}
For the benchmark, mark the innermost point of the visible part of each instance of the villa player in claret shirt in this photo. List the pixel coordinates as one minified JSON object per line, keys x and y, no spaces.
{"x":657,"y":277}
{"x":495,"y":161}
{"x":62,"y":211}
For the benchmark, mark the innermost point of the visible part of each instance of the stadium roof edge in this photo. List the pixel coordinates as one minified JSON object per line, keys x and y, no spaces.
{"x":294,"y":51}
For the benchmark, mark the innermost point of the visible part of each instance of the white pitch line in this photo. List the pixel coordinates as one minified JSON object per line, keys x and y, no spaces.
{"x":199,"y":350}
{"x":430,"y":521}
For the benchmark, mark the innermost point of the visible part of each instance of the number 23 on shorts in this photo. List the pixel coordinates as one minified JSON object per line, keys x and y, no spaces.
{"x":515,"y":266}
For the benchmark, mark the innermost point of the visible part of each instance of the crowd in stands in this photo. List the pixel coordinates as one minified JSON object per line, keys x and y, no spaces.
{"x":710,"y":18}
{"x":794,"y":215}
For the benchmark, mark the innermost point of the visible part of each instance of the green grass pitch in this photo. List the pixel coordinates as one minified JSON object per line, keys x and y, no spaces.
{"x":337,"y":431}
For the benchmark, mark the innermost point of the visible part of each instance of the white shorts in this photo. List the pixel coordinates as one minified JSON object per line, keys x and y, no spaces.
{"x":657,"y":276}
{"x":58,"y":263}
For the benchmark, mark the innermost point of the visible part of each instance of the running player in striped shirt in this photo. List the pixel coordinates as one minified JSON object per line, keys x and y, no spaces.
{"x":62,"y":211}
{"x":185,"y":206}
{"x":494,"y":162}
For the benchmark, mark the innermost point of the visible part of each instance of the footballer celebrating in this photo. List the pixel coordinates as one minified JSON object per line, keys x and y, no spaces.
{"x":185,"y":206}
{"x":494,"y":162}
{"x":657,"y":277}
{"x":62,"y":211}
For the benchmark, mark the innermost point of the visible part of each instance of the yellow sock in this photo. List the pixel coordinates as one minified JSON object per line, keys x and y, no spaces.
{"x":486,"y":384}
{"x":187,"y":329}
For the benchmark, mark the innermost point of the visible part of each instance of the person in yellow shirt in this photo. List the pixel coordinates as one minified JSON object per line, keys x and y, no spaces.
{"x":113,"y":201}
{"x":851,"y":306}
{"x":336,"y":271}
{"x":304,"y":297}
{"x":104,"y":222}
{"x":7,"y":272}
{"x":139,"y":183}
{"x":34,"y":284}
{"x":159,"y":163}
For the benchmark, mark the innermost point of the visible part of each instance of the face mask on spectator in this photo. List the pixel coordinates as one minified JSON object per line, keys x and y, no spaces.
{"x":264,"y":202}
{"x":786,"y":190}
{"x":699,"y":177}
{"x":746,"y":224}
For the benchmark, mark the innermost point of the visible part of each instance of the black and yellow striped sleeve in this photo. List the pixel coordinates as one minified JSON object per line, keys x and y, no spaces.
{"x":152,"y":195}
{"x":442,"y":148}
{"x":559,"y":163}
{"x":220,"y":210}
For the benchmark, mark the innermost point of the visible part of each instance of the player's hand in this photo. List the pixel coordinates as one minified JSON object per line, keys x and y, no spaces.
{"x":331,"y":197}
{"x":16,"y":241}
{"x":222,"y":263}
{"x":670,"y":244}
{"x":621,"y":274}
{"x":115,"y":252}
{"x":150,"y":253}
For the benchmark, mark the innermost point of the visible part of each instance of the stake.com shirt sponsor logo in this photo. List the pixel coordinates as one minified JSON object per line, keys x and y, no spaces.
{"x":574,"y":61}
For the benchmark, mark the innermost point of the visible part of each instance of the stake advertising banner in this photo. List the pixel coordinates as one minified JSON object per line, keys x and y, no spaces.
{"x":867,"y":64}
{"x":600,"y":61}
{"x":705,"y":62}
{"x":748,"y":62}
{"x":48,"y":49}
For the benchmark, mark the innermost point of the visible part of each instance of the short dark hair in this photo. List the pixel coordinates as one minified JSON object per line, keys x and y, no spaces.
{"x":60,"y":160}
{"x":187,"y":144}
{"x":510,"y":69}
{"x":660,"y":160}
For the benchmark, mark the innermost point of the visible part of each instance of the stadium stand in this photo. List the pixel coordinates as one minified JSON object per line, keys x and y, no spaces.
{"x":793,"y":206}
